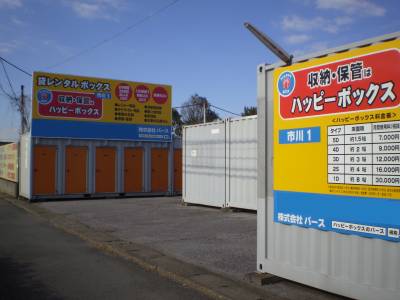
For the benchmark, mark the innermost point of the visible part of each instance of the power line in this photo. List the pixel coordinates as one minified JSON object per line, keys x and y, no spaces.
{"x":225,"y":110}
{"x":201,"y":104}
{"x":190,"y":105}
{"x":114,"y":36}
{"x":13,"y":65}
{"x":8,"y":79}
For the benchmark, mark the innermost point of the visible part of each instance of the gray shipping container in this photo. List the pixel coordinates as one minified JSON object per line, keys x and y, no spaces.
{"x":220,"y":163}
{"x":350,"y":265}
{"x":28,"y":170}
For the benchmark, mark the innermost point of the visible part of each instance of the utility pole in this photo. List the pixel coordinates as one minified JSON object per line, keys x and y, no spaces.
{"x":22,"y":110}
{"x":204,"y":112}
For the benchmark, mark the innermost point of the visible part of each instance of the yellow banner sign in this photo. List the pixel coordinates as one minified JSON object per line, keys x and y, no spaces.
{"x":337,"y":142}
{"x":88,"y":107}
{"x":338,"y":124}
{"x":9,"y":162}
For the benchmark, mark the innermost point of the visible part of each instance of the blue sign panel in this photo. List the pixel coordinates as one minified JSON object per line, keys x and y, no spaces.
{"x":100,"y":130}
{"x":368,"y":217}
{"x":300,"y":135}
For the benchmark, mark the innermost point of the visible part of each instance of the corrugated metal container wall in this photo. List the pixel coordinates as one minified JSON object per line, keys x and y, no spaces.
{"x":25,"y":166}
{"x":90,"y":152}
{"x":242,"y":162}
{"x":220,"y":163}
{"x":176,"y":170}
{"x":350,"y":265}
{"x":204,"y":164}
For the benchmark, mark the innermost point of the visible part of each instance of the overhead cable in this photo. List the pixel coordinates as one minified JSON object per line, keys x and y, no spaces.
{"x":201,"y":104}
{"x":16,"y":67}
{"x":114,"y":36}
{"x":232,"y":113}
{"x":8,"y":79}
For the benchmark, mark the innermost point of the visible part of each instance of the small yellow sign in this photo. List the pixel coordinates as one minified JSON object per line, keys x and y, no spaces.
{"x":9,"y":162}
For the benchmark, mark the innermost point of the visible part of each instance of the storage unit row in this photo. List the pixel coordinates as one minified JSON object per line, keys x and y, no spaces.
{"x":64,"y":168}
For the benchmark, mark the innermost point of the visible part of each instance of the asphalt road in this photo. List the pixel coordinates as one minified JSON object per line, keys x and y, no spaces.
{"x":224,"y":243}
{"x":38,"y":261}
{"x":221,"y":242}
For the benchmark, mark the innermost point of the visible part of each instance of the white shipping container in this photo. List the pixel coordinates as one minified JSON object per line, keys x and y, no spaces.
{"x":220,"y":163}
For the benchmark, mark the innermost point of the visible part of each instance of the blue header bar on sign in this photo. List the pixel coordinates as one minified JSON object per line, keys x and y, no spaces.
{"x":99,"y":130}
{"x":300,"y":135}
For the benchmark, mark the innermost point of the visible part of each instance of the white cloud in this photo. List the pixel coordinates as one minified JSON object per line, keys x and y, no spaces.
{"x":17,"y":21}
{"x":318,"y":46}
{"x":363,"y":7}
{"x":88,"y":10}
{"x":10,"y":3}
{"x":7,"y":47}
{"x":343,"y":20}
{"x":337,"y":23}
{"x":96,"y":9}
{"x":310,"y":48}
{"x":112,"y":3}
{"x":297,"y":38}
{"x":299,"y":24}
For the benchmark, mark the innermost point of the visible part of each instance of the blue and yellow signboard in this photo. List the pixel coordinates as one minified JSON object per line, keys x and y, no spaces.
{"x":337,"y":142}
{"x":85,"y":107}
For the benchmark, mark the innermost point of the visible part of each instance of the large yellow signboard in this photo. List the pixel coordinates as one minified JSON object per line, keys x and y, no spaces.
{"x":337,"y":142}
{"x":88,"y":107}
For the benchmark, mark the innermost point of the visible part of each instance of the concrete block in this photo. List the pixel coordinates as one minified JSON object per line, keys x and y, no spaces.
{"x":261,"y":278}
{"x":9,"y":187}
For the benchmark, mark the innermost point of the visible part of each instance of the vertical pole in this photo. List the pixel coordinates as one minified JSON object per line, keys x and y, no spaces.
{"x":22,"y":110}
{"x":204,"y":112}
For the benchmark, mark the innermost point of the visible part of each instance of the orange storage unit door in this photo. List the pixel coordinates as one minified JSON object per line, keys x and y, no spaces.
{"x":44,"y":170}
{"x":105,"y":170}
{"x":159,"y":170}
{"x":178,"y":170}
{"x":133,"y":170}
{"x":75,"y":169}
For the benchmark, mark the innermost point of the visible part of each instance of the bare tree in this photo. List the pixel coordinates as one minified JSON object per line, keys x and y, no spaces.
{"x":192,"y":111}
{"x":176,"y":122}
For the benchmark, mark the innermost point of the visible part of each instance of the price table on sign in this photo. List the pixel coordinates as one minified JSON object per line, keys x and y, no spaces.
{"x":366,"y":154}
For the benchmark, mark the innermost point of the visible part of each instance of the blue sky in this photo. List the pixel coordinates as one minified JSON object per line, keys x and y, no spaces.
{"x":196,"y":46}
